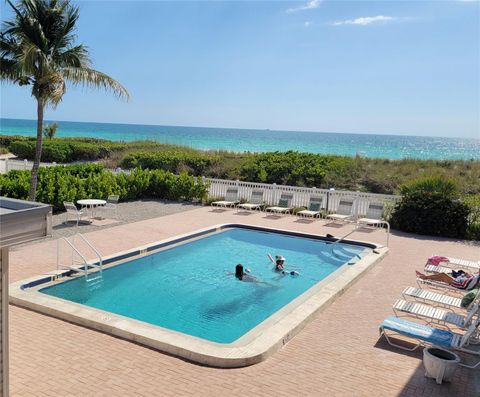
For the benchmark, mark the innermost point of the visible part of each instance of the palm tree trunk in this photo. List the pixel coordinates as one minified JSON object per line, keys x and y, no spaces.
{"x":38,"y":150}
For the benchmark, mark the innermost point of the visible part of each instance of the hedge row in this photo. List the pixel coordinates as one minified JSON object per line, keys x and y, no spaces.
{"x":72,"y":183}
{"x":173,"y":161}
{"x":60,"y":151}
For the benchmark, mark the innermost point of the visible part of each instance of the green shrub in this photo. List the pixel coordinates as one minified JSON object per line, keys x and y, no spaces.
{"x":6,"y":140}
{"x":59,"y":151}
{"x":473,"y":228}
{"x":431,"y":206}
{"x":72,"y":183}
{"x":172,"y":161}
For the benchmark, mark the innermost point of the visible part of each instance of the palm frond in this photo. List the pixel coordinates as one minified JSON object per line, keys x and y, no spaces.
{"x":95,"y":79}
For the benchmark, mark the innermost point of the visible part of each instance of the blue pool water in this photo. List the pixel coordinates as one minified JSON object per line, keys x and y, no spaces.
{"x":188,"y":289}
{"x":239,"y":140}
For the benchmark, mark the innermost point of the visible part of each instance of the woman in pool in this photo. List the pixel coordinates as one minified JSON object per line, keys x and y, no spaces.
{"x":242,"y":274}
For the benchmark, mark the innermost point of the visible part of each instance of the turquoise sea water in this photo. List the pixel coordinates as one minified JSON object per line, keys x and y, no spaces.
{"x":239,"y":140}
{"x":191,"y":288}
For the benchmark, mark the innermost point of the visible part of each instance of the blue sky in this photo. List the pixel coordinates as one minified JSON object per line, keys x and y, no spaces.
{"x":394,"y":67}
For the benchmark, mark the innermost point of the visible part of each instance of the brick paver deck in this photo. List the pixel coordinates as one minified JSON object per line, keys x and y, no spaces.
{"x":338,"y":354}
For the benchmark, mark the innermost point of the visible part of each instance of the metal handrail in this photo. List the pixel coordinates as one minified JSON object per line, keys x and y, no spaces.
{"x":100,"y":260}
{"x":73,"y":249}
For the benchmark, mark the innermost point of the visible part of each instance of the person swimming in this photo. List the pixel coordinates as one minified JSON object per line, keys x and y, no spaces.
{"x":242,"y":274}
{"x":280,"y":266}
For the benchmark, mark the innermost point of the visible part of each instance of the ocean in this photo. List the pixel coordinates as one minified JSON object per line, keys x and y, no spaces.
{"x":240,"y":140}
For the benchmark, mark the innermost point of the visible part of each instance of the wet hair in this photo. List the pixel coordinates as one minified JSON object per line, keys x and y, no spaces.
{"x":239,"y":271}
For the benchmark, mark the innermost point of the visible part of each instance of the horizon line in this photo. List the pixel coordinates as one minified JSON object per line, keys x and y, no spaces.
{"x":248,"y":129}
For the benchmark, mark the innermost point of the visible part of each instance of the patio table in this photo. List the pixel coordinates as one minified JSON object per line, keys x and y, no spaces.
{"x":91,"y":204}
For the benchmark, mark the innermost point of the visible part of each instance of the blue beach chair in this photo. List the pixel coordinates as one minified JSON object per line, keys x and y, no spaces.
{"x":426,"y":335}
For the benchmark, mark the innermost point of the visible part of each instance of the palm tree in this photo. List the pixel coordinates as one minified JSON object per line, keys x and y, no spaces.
{"x":50,"y":130}
{"x":38,"y":49}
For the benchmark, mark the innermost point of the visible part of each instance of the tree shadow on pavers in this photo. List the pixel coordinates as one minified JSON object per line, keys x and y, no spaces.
{"x":464,"y":383}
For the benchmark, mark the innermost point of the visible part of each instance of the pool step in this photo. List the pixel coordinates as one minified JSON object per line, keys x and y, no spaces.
{"x":95,"y":281}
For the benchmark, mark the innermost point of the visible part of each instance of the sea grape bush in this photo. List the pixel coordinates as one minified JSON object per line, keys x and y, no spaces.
{"x":298,"y":169}
{"x":59,"y":151}
{"x":432,"y":206}
{"x":173,"y":161}
{"x":71,"y":183}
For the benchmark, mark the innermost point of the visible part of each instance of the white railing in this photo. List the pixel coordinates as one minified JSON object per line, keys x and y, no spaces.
{"x":7,"y":165}
{"x":301,"y":195}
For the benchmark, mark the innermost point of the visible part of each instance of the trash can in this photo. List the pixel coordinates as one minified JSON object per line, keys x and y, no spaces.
{"x":440,"y":364}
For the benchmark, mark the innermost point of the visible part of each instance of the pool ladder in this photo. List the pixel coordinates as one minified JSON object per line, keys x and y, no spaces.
{"x":93,"y":271}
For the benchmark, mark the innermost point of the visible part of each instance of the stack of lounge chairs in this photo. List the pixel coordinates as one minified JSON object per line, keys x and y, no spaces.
{"x":435,"y":313}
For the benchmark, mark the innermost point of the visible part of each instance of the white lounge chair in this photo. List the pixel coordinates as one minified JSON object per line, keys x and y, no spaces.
{"x":437,"y":269}
{"x":231,"y":199}
{"x":462,"y":263}
{"x":441,"y":285}
{"x":72,"y":209}
{"x":344,"y":211}
{"x":426,"y":295}
{"x":284,"y":205}
{"x":426,"y":335}
{"x":432,"y":314}
{"x":112,"y":204}
{"x":374,"y":216}
{"x":255,"y":203}
{"x":314,"y":208}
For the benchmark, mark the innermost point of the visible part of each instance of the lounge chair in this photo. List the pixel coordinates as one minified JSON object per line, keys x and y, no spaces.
{"x":441,"y":285}
{"x":231,"y":199}
{"x":72,"y":209}
{"x":284,"y":205}
{"x":374,"y":216}
{"x":443,"y":300}
{"x":456,"y":262}
{"x":434,"y":314}
{"x":255,"y":203}
{"x":426,"y":335}
{"x":112,"y":204}
{"x":438,"y":269}
{"x":344,"y":211}
{"x":314,"y":208}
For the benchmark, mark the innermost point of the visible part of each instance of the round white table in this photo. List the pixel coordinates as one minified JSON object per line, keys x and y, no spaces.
{"x":91,"y":204}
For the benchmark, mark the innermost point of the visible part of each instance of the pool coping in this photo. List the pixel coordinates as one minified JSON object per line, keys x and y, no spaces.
{"x":255,"y":346}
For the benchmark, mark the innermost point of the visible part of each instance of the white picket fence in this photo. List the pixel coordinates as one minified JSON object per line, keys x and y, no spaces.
{"x":7,"y":165}
{"x":301,"y":195}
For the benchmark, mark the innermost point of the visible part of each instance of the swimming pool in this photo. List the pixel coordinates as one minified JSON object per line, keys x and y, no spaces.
{"x":186,"y":288}
{"x":191,"y":289}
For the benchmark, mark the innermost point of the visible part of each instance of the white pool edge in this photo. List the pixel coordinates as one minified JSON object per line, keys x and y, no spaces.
{"x":253,"y":347}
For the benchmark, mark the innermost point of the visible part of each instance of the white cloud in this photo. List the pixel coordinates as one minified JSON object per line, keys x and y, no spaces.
{"x":311,"y":5}
{"x":363,"y":21}
{"x":307,"y":24}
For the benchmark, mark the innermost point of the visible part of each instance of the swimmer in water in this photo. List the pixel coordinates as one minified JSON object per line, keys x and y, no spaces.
{"x":280,"y":266}
{"x":241,"y":274}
